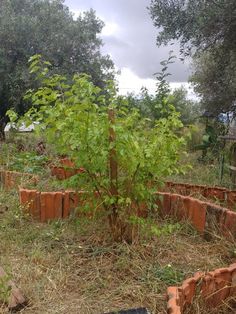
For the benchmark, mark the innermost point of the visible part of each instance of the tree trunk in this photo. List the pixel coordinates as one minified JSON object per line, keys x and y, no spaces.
{"x":121,"y":230}
{"x":113,"y":216}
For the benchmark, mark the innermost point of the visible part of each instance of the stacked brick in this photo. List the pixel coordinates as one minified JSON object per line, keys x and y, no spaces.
{"x":213,"y":287}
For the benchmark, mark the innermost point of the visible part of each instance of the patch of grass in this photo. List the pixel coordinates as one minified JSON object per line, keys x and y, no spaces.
{"x":202,"y":173}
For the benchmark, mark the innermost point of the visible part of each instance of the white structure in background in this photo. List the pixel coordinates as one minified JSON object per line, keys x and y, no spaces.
{"x":22,"y":128}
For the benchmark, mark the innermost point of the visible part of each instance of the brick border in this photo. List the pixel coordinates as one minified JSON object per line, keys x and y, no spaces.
{"x":45,"y":206}
{"x":66,"y":170}
{"x":209,"y":192}
{"x":202,"y":215}
{"x":213,"y":287}
{"x":12,"y":179}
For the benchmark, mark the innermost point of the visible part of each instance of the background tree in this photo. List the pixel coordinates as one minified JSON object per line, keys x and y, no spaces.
{"x":206,"y":29}
{"x":189,"y":109}
{"x":150,"y":107}
{"x":215,"y":80}
{"x":29,"y":27}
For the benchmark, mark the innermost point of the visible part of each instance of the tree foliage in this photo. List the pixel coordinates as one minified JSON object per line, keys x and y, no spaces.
{"x":75,"y":118}
{"x":196,"y":23}
{"x":29,"y":27}
{"x":151,"y":105}
{"x":215,"y":80}
{"x":189,"y":109}
{"x":206,"y":30}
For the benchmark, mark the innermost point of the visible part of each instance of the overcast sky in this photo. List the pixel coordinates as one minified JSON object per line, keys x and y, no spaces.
{"x":130,"y":38}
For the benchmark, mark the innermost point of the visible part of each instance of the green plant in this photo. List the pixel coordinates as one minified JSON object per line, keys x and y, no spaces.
{"x":150,"y":227}
{"x":5,"y":288}
{"x":28,"y":162}
{"x":123,"y":157}
{"x":168,"y":274}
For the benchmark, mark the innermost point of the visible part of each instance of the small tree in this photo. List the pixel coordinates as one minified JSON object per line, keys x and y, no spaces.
{"x":122,"y":155}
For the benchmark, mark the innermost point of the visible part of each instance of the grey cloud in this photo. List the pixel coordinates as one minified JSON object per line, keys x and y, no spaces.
{"x":135,"y":44}
{"x":111,"y":41}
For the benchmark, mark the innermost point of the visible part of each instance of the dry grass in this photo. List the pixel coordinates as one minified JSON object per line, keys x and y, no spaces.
{"x":199,"y":307}
{"x":74,"y":267}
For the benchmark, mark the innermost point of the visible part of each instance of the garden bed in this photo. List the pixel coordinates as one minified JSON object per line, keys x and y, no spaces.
{"x":73,"y":266}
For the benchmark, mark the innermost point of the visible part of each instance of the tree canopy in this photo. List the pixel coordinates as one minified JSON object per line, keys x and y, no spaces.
{"x":206,"y":30}
{"x":214,"y":79}
{"x":196,"y":23}
{"x":150,"y":106}
{"x":46,"y":27}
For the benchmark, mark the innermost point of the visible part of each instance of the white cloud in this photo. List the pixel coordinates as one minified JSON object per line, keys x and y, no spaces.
{"x":110,"y":28}
{"x":76,"y":13}
{"x":129,"y":82}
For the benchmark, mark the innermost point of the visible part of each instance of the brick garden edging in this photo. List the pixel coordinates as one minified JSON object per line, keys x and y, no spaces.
{"x":213,"y":287}
{"x":66,"y":170}
{"x":45,"y":206}
{"x":212,"y":193}
{"x":12,"y":179}
{"x":204,"y":216}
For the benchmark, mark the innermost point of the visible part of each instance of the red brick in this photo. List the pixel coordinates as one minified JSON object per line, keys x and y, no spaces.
{"x":188,"y":288}
{"x":51,"y":205}
{"x":58,"y":204}
{"x":215,"y":193}
{"x":208,"y":288}
{"x":215,"y":216}
{"x":66,"y":204}
{"x":231,"y":199}
{"x":222,"y":279}
{"x":60,"y":173}
{"x":166,"y":204}
{"x":31,"y":201}
{"x":230,"y":224}
{"x":232,"y":269}
{"x":67,"y":162}
{"x":215,"y":287}
{"x":197,"y":212}
{"x":47,"y":206}
{"x":173,"y":305}
{"x":178,"y":208}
